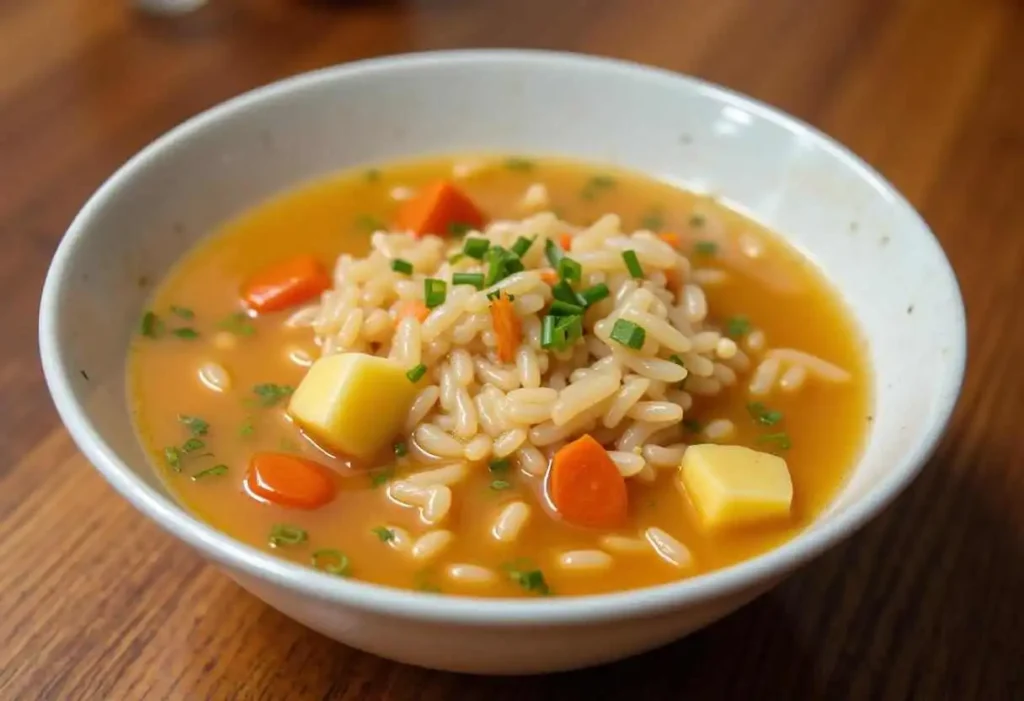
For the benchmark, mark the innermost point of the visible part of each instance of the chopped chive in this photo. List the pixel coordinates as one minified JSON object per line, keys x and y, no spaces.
{"x":248,"y":428}
{"x":192,"y":445}
{"x":183,"y":312}
{"x":737,"y":326}
{"x":500,"y":265}
{"x":560,"y":332}
{"x":210,"y":472}
{"x":239,"y":323}
{"x":522,"y":245}
{"x":186,"y":332}
{"x":520,"y":165}
{"x":596,"y":185}
{"x":781,"y":440}
{"x":697,"y":220}
{"x":495,"y":295}
{"x":459,"y":228}
{"x":560,"y":308}
{"x":513,"y":265}
{"x":371,"y":175}
{"x":501,"y":465}
{"x":331,"y":561}
{"x":569,"y":270}
{"x":381,"y":477}
{"x":692,"y":425}
{"x":677,"y":360}
{"x":571,"y":327}
{"x":500,"y":485}
{"x":284,"y":534}
{"x":476,"y":248}
{"x":401,"y":449}
{"x":523,"y":573}
{"x":563,"y":291}
{"x":763,"y":415}
{"x":554,"y":253}
{"x":402,"y":266}
{"x":595,"y":294}
{"x":547,"y":333}
{"x":151,"y":326}
{"x":434,"y":292}
{"x":706,"y":248}
{"x":195,"y":425}
{"x":453,"y":259}
{"x":474,"y":279}
{"x":653,"y":220}
{"x":270,"y":394}
{"x":633,"y":264}
{"x":386,"y":535}
{"x":628,"y":334}
{"x":172,"y":456}
{"x":369,"y":223}
{"x":416,"y":374}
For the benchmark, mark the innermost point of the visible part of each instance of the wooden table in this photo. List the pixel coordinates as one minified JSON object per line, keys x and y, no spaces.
{"x":926,"y":603}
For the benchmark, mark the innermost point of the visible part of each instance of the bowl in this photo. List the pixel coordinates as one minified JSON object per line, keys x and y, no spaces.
{"x":872,"y":245}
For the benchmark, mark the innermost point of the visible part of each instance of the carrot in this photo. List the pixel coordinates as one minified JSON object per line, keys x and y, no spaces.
{"x":673,"y":279}
{"x":285,"y":284}
{"x":412,"y":307}
{"x":507,"y":327}
{"x":586,"y":487}
{"x":288,"y":480}
{"x":438,"y":209}
{"x":672,"y":239}
{"x":548,"y":276}
{"x":565,"y":241}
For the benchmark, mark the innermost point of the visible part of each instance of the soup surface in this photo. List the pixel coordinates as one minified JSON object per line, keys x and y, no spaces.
{"x":771,"y":362}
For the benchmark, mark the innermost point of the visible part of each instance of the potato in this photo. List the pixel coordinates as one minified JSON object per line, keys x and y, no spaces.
{"x":731,"y":485}
{"x":353,"y":403}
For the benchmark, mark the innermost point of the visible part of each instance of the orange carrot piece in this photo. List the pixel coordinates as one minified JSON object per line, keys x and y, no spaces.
{"x":436,"y":209}
{"x":548,"y":276}
{"x":288,"y":480}
{"x":286,"y":284}
{"x":413,"y":307}
{"x":672,"y":239}
{"x":507,"y":327}
{"x":586,"y":487}
{"x":565,"y":241}
{"x":673,"y":279}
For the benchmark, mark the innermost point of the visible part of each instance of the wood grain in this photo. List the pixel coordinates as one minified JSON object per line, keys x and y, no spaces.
{"x":926,"y":603}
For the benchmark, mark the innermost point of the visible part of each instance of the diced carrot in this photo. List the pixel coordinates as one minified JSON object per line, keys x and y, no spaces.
{"x":565,"y":241}
{"x":507,"y":327}
{"x":413,"y":307}
{"x":672,"y":239}
{"x":286,"y":284}
{"x":586,"y":487}
{"x":288,"y":480}
{"x":548,"y":276}
{"x":438,"y":209}
{"x":673,"y":279}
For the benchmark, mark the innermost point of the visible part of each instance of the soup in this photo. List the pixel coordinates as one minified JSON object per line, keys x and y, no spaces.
{"x":499,"y":376}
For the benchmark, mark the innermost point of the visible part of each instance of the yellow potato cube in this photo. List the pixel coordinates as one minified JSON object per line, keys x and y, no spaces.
{"x":731,"y":485}
{"x":353,"y":403}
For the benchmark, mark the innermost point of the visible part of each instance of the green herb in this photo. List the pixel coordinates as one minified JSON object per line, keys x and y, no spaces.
{"x":563,"y":291}
{"x":693,"y":425}
{"x":369,"y":223}
{"x":210,"y":472}
{"x":386,"y":535}
{"x":595,"y":294}
{"x":763,"y":415}
{"x":677,"y":360}
{"x":192,"y":445}
{"x":500,"y":264}
{"x":628,"y":334}
{"x":381,"y":477}
{"x":554,"y":253}
{"x":284,"y":534}
{"x":781,"y":440}
{"x":706,"y":248}
{"x":195,"y":425}
{"x":502,"y":465}
{"x":500,"y":485}
{"x":331,"y":561}
{"x":653,"y":220}
{"x":270,"y":394}
{"x":186,"y":332}
{"x":247,"y":428}
{"x":697,"y":220}
{"x":172,"y":456}
{"x":474,"y":279}
{"x":238,"y":323}
{"x":737,"y":326}
{"x":633,"y":264}
{"x":183,"y":312}
{"x":476,"y":248}
{"x":522,"y":245}
{"x":523,"y":573}
{"x":569,"y":270}
{"x":416,"y":374}
{"x":460,"y":228}
{"x":495,"y":295}
{"x":560,"y":332}
{"x":401,"y":449}
{"x":434,"y":292}
{"x":596,"y":185}
{"x":151,"y":326}
{"x":513,"y":264}
{"x":520,"y":165}
{"x":453,"y":259}
{"x":560,"y":308}
{"x":401,"y":266}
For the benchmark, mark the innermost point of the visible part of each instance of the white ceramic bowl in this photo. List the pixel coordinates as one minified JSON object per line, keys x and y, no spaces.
{"x":844,"y":216}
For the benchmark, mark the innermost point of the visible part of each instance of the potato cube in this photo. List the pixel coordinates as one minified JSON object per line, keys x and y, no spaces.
{"x":353,"y":403}
{"x":731,"y":485}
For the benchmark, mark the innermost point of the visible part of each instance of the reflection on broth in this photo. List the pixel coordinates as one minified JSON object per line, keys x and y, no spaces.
{"x":523,"y":396}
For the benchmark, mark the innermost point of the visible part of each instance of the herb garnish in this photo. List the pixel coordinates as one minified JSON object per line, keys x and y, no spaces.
{"x":501,"y":485}
{"x":172,"y":456}
{"x":186,"y":332}
{"x":693,"y":425}
{"x":780,"y":440}
{"x":459,"y":228}
{"x":653,"y":220}
{"x":523,"y":573}
{"x":596,"y":185}
{"x":706,"y":248}
{"x":697,"y":220}
{"x":210,"y":472}
{"x":521,"y":165}
{"x":183,"y":312}
{"x":195,"y":425}
{"x":386,"y":535}
{"x":763,"y":415}
{"x":151,"y":326}
{"x":192,"y":445}
{"x":381,"y":477}
{"x":737,"y":326}
{"x":238,"y":323}
{"x":369,"y":223}
{"x":269,"y":394}
{"x":628,"y":334}
{"x":284,"y":534}
{"x":331,"y":561}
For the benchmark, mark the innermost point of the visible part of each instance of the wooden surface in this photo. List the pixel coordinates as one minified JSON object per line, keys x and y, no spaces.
{"x":926,"y":603}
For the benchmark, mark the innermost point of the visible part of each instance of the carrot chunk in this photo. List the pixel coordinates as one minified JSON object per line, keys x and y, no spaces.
{"x":565,"y":241}
{"x":286,"y":284}
{"x":439,"y":209}
{"x":507,"y":327}
{"x":548,"y":276}
{"x":412,"y":307}
{"x":288,"y":480}
{"x":672,"y":239}
{"x":586,"y":487}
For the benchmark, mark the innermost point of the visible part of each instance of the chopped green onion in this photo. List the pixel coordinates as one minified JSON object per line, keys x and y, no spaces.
{"x":172,"y":456}
{"x":401,"y":266}
{"x":522,"y":245}
{"x":495,"y":295}
{"x":563,"y":291}
{"x":569,"y":270}
{"x":434,"y":292}
{"x":247,"y":428}
{"x":370,"y":223}
{"x":401,"y":449}
{"x":500,"y":485}
{"x":560,"y":332}
{"x":554,"y":253}
{"x":239,"y":323}
{"x":416,"y":374}
{"x":653,"y":220}
{"x":284,"y":534}
{"x":501,"y":465}
{"x":780,"y":440}
{"x":763,"y":415}
{"x":595,"y":294}
{"x":633,"y":264}
{"x":560,"y":308}
{"x":381,"y":477}
{"x":677,"y":360}
{"x":186,"y":332}
{"x":270,"y":394}
{"x":331,"y":561}
{"x":476,"y":248}
{"x":521,"y":165}
{"x":628,"y":334}
{"x":453,"y":259}
{"x":547,"y":333}
{"x":697,"y":220}
{"x":151,"y":326}
{"x":513,"y":265}
{"x":192,"y":445}
{"x":737,"y":326}
{"x":474,"y":279}
{"x":571,"y":328}
{"x":210,"y":472}
{"x":693,"y":425}
{"x":523,"y":573}
{"x":498,"y":265}
{"x":706,"y":248}
{"x":196,"y":425}
{"x":596,"y":185}
{"x":183,"y":312}
{"x":459,"y":228}
{"x":386,"y":535}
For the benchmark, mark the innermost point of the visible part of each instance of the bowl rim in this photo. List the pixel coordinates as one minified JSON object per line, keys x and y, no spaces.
{"x":423,"y":606}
